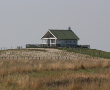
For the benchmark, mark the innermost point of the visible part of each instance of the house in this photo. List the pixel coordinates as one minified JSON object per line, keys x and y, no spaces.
{"x":59,"y":38}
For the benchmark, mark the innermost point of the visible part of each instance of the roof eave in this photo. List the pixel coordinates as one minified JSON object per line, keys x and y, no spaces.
{"x":43,"y":35}
{"x":46,"y":32}
{"x":52,"y":34}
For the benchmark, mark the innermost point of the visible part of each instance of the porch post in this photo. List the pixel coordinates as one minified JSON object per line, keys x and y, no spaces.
{"x":47,"y":42}
{"x":50,"y":42}
{"x":55,"y":42}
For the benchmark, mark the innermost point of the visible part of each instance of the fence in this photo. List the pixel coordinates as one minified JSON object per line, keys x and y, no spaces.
{"x":44,"y":58}
{"x":33,"y":45}
{"x":91,"y":52}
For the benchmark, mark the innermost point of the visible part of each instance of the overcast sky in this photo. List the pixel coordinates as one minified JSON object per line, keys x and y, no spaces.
{"x":26,"y":21}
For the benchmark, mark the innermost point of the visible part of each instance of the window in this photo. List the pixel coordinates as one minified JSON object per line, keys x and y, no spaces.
{"x":70,"y":41}
{"x":52,"y":41}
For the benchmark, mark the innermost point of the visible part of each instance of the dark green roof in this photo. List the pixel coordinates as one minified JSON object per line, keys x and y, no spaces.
{"x":64,"y":34}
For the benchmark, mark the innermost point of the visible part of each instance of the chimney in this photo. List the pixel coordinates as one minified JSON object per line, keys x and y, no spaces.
{"x":69,"y":28}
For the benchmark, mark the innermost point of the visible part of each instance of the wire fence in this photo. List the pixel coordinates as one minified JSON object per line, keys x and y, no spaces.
{"x":90,"y":52}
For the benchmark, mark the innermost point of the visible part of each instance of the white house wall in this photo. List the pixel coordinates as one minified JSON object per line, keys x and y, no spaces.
{"x":64,"y":42}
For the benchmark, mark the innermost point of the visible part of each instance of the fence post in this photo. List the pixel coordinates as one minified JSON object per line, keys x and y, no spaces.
{"x":69,"y":58}
{"x":93,"y":52}
{"x":102,"y":54}
{"x":89,"y":52}
{"x":39,"y":58}
{"x":99,"y":53}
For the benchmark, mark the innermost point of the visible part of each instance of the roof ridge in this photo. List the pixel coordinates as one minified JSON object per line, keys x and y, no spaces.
{"x":57,"y":29}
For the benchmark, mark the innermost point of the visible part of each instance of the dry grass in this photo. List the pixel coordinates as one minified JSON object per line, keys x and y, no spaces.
{"x":45,"y":53}
{"x":54,"y":74}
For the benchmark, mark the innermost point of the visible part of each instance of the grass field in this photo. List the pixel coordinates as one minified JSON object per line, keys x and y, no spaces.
{"x":92,"y":74}
{"x":87,"y":51}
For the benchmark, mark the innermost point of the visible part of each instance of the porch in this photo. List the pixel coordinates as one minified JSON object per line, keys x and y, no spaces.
{"x":49,"y":42}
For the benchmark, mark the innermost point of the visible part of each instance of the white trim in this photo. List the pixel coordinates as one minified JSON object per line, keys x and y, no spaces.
{"x":52,"y":43}
{"x":55,"y":42}
{"x":48,"y":38}
{"x":44,"y":34}
{"x":52,"y":34}
{"x":44,"y":43}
